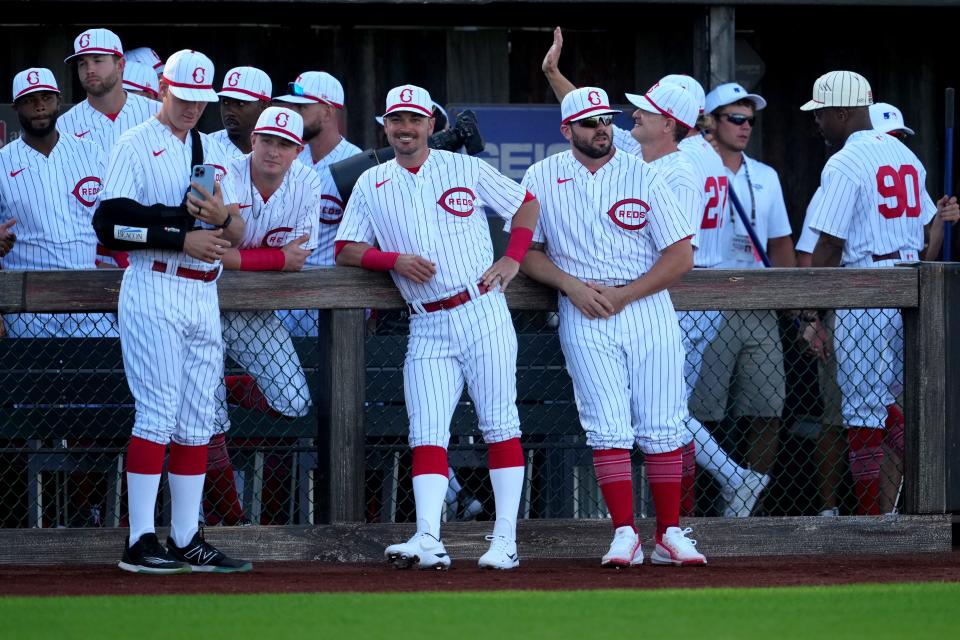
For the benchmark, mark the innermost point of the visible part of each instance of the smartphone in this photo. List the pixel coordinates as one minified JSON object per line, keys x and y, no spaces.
{"x":203,"y":175}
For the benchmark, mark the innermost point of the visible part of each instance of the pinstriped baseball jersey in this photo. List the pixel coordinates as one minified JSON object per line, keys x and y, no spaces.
{"x":874,"y":197}
{"x":152,"y":166}
{"x":432,"y":214}
{"x":233,"y":151}
{"x":331,"y":213}
{"x":289,"y":213}
{"x":623,"y":140}
{"x":52,"y":199}
{"x":712,"y":227}
{"x":607,"y":227}
{"x":680,"y":176}
{"x":757,"y":186}
{"x":342,"y":151}
{"x":83,"y":121}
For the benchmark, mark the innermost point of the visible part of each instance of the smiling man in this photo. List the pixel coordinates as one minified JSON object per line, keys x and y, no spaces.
{"x":420,"y":209}
{"x":169,"y":314}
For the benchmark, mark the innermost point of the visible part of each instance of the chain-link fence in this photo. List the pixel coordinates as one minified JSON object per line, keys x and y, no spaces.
{"x":768,"y":408}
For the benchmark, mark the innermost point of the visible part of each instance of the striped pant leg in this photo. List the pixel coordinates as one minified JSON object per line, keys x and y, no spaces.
{"x":597,"y":365}
{"x":432,"y":380}
{"x":866,"y":366}
{"x":655,"y":359}
{"x":202,"y":370}
{"x":153,"y":347}
{"x":490,"y":365}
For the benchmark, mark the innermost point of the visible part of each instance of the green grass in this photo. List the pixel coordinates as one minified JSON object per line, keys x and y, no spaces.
{"x":861,"y":611}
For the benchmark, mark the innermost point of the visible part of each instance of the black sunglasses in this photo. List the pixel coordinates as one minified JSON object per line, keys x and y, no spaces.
{"x":592,"y":123}
{"x":738,"y":119}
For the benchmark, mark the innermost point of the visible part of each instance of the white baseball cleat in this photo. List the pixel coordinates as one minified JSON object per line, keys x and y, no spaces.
{"x":501,"y":555}
{"x":677,"y":549}
{"x":625,"y":549}
{"x":742,"y":499}
{"x":422,"y":551}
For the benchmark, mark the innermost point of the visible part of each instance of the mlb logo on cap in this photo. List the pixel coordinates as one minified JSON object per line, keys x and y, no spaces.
{"x":690,"y":84}
{"x":141,"y":77}
{"x":248,"y":84}
{"x":585,"y":102}
{"x":886,"y":118}
{"x":840,"y":89}
{"x":94,"y":42}
{"x":670,"y":100}
{"x":147,"y":56}
{"x":409,"y":97}
{"x":189,"y":75}
{"x":33,"y":80}
{"x":728,"y":94}
{"x":282,"y":123}
{"x":315,"y":87}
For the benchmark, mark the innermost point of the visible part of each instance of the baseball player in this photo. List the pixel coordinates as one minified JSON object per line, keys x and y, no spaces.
{"x":244,"y":96}
{"x":139,"y":79}
{"x":419,"y":208}
{"x":49,"y":187}
{"x":147,"y":56}
{"x":279,"y":198}
{"x":611,"y":239}
{"x":745,"y":357}
{"x":873,"y":211}
{"x":739,"y":487}
{"x":319,"y":98}
{"x":169,"y":314}
{"x":818,"y":332}
{"x":108,"y":110}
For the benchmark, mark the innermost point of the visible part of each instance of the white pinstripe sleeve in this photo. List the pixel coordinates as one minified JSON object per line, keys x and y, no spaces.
{"x":308,"y":218}
{"x":928,"y":208}
{"x":623,"y":140}
{"x":124,"y":175}
{"x":497,"y":191}
{"x":837,"y":206}
{"x":357,"y":225}
{"x":689,"y":195}
{"x":669,"y":223}
{"x":533,"y":185}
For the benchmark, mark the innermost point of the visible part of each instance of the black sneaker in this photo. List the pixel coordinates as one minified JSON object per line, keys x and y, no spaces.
{"x":202,"y":556}
{"x":149,"y":556}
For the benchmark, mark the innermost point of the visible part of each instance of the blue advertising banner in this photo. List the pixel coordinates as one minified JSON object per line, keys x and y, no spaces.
{"x":518,"y":135}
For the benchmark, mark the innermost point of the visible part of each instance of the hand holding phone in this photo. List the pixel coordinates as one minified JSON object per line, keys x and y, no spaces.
{"x":203,"y":175}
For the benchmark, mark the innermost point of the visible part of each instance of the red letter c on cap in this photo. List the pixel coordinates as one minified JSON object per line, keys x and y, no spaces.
{"x":85,"y":40}
{"x":33,"y":78}
{"x":234,"y":79}
{"x":593,"y":97}
{"x":198,"y":74}
{"x":406,"y":95}
{"x":281,"y":120}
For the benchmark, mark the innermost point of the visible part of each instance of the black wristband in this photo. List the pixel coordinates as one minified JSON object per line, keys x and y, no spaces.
{"x":226,"y":223}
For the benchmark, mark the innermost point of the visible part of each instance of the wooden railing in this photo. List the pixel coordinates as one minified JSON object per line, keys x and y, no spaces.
{"x":928,"y":295}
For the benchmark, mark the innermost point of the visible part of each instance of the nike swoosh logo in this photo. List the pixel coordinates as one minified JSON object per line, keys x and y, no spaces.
{"x":562,"y":180}
{"x":380,"y":184}
{"x":80,"y":135}
{"x":156,"y":153}
{"x":440,"y":555}
{"x":512,"y":556}
{"x":245,"y":206}
{"x":14,"y":174}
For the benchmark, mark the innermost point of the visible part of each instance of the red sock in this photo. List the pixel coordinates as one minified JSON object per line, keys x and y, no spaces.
{"x":866,"y":456}
{"x":243,"y":391}
{"x":688,"y":480}
{"x":615,"y":477}
{"x":664,"y":471}
{"x":894,"y":425}
{"x":220,"y":499}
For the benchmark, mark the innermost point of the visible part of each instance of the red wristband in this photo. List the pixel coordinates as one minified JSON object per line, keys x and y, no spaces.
{"x":520,"y":238}
{"x":338,"y":247}
{"x":376,"y":260}
{"x":262,"y":259}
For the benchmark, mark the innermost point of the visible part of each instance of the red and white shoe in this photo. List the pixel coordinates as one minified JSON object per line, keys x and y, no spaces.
{"x":625,"y":549}
{"x":677,"y":549}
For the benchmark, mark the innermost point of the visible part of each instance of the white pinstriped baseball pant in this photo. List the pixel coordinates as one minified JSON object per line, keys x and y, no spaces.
{"x":627,"y":375}
{"x":475,"y":344}
{"x":172,"y":354}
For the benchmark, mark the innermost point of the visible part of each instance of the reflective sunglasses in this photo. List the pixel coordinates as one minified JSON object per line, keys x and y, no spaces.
{"x":296,"y":88}
{"x":737,"y":119}
{"x":595,"y":121}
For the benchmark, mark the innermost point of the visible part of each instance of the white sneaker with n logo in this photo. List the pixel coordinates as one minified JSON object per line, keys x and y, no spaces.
{"x":501,"y":555}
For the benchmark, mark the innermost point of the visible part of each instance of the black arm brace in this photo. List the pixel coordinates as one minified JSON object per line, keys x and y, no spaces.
{"x":125,"y":225}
